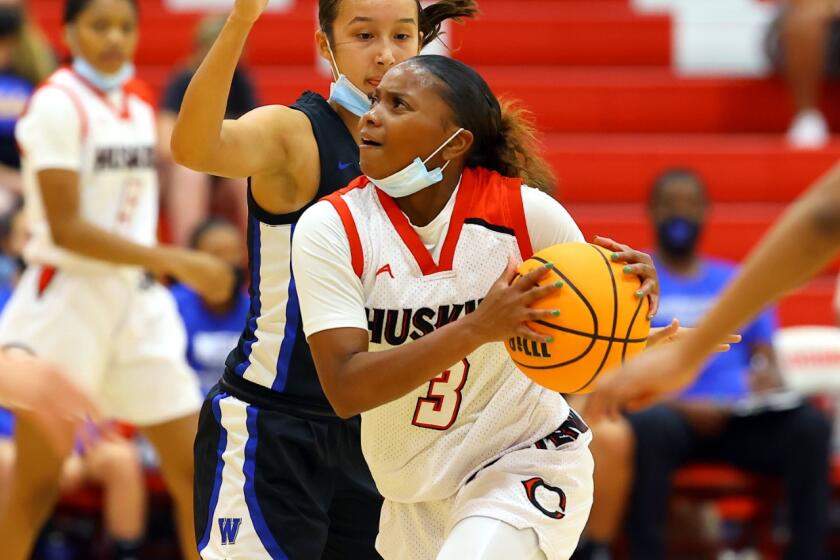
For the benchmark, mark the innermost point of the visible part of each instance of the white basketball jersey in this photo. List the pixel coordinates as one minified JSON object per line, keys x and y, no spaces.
{"x":118,"y":187}
{"x":427,"y":444}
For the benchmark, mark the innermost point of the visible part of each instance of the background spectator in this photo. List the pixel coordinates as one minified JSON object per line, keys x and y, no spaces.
{"x":213,"y":330}
{"x":738,"y":412}
{"x":24,"y":60}
{"x":804,"y":34}
{"x":190,"y":195}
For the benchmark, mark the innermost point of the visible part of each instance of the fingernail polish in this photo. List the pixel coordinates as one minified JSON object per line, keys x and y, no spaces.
{"x":548,"y":264}
{"x":614,"y":256}
{"x":627,"y":269}
{"x":556,"y":312}
{"x":558,"y":284}
{"x":640,"y":293}
{"x":550,"y":339}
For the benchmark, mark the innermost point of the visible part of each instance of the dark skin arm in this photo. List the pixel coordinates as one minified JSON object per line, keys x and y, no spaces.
{"x":356,"y":380}
{"x":59,"y":188}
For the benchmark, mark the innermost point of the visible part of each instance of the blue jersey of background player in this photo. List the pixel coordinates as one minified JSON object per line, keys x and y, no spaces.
{"x":213,"y":329}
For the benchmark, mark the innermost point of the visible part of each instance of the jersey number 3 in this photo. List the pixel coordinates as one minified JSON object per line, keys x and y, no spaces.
{"x":439,"y":408}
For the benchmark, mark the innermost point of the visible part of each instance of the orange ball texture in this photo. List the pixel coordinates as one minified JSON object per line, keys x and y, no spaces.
{"x":601,"y":323}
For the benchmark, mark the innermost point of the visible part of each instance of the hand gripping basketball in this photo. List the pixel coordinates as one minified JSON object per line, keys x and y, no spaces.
{"x":505,"y":312}
{"x":603,"y":320}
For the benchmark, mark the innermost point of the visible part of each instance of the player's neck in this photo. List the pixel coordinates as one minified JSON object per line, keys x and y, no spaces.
{"x":351,"y":121}
{"x":423,"y":206}
{"x":681,"y":265}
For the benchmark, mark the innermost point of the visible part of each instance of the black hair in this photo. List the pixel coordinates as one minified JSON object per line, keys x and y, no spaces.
{"x":504,"y":136}
{"x":206,"y":226}
{"x":73,"y":8}
{"x":11,"y":21}
{"x":430,"y":19}
{"x":676,"y":174}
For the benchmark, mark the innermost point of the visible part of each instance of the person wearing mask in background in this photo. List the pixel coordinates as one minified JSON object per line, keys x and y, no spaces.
{"x":190,"y":195}
{"x":213,"y":329}
{"x":108,"y":460}
{"x":737,"y":412}
{"x":87,"y":298}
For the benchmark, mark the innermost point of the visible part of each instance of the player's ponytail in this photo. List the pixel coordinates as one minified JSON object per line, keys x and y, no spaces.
{"x":433,"y":16}
{"x":518,"y":152}
{"x":504,"y":139}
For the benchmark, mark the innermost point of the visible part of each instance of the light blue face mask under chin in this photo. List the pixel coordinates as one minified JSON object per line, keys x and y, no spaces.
{"x":349,"y":96}
{"x":104,"y":82}
{"x":344,"y":93}
{"x":415,"y":177}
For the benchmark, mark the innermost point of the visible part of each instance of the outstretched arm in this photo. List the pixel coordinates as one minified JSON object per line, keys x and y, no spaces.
{"x":203,"y":140}
{"x":798,"y":246}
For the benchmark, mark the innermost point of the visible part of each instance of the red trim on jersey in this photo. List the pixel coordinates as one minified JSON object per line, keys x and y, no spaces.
{"x":357,"y":256}
{"x":498,"y":201}
{"x":482,"y":194}
{"x":406,"y":232}
{"x":122,"y":112}
{"x":520,"y":225}
{"x":74,"y":99}
{"x":45,"y":279}
{"x":463,"y":206}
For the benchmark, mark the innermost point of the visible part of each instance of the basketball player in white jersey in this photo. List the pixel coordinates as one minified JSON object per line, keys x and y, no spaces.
{"x":85,"y":302}
{"x":405,"y":310}
{"x":802,"y":243}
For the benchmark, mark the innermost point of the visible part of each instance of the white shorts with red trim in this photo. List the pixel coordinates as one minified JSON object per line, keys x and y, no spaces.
{"x":544,"y":488}
{"x":120,"y":338}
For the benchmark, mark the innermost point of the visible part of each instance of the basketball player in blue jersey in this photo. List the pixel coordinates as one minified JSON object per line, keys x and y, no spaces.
{"x":278,"y":474}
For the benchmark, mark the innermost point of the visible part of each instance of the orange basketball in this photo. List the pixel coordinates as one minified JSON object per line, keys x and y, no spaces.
{"x":601,"y":321}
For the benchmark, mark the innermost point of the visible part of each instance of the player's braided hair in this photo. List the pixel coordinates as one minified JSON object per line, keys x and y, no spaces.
{"x":430,"y":20}
{"x":504,"y":136}
{"x":73,"y":8}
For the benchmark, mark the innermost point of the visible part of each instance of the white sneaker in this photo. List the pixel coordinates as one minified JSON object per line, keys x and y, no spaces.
{"x":808,"y":131}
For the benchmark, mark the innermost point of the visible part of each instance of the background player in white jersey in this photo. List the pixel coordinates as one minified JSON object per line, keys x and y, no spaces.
{"x":85,"y":302}
{"x":802,"y":242}
{"x":474,"y":460}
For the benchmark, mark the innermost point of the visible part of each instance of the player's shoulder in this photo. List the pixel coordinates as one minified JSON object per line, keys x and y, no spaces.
{"x":140,"y":90}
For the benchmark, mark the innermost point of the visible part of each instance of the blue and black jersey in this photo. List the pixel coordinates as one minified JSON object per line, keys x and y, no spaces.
{"x":272,"y":361}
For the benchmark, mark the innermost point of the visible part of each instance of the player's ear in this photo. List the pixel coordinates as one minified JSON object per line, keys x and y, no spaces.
{"x":459,"y":146}
{"x":323,"y":43}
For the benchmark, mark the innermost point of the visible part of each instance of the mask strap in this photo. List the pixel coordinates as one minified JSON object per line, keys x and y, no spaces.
{"x":442,"y":146}
{"x":334,"y":66}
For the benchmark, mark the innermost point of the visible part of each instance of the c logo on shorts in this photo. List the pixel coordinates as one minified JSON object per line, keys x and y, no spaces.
{"x":534,"y":484}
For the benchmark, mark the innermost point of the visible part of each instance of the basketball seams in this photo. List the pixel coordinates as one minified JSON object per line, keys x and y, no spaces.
{"x":614,"y":325}
{"x":588,"y":305}
{"x":630,"y":328}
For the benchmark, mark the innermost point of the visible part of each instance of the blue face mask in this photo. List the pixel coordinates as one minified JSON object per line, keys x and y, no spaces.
{"x":415,"y":177}
{"x":104,"y":82}
{"x":678,"y":236}
{"x":343,"y":92}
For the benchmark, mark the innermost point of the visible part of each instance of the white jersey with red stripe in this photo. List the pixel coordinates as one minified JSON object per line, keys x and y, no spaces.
{"x":409,"y":281}
{"x":109,"y":140}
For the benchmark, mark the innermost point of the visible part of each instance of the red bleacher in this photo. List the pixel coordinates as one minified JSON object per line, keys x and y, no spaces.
{"x":598,"y":77}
